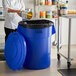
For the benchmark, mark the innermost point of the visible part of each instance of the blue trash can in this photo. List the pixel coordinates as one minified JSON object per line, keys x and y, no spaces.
{"x":30,"y":45}
{"x":38,"y":40}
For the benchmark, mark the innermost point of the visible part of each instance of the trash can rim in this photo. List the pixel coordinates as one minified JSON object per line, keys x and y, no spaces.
{"x":36,"y":24}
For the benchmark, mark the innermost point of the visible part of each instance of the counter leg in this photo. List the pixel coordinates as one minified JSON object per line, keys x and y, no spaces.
{"x":58,"y":55}
{"x":69,"y":43}
{"x":60,"y":32}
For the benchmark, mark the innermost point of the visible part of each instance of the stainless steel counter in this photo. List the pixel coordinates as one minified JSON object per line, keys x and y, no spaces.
{"x":51,"y":71}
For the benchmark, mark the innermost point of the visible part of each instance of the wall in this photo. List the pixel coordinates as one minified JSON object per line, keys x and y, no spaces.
{"x":2,"y":35}
{"x":0,"y":3}
{"x":29,"y":4}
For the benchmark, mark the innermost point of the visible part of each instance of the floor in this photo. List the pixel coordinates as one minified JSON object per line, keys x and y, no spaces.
{"x":51,"y":71}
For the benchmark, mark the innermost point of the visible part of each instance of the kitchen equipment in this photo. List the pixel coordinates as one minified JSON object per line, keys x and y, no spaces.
{"x":30,"y":45}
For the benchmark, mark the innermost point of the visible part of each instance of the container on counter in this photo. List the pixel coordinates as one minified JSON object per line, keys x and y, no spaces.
{"x":42,"y":2}
{"x":42,"y":14}
{"x":63,"y":9}
{"x":55,"y":14}
{"x":54,"y":2}
{"x":48,"y":2}
{"x":49,"y":14}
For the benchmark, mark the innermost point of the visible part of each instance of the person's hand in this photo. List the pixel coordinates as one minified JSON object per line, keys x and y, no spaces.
{"x":18,"y":12}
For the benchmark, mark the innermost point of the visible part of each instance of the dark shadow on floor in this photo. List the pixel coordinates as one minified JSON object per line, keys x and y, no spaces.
{"x":66,"y":72}
{"x":2,"y":58}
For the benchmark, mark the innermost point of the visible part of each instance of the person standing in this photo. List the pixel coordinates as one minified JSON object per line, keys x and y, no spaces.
{"x":12,"y":9}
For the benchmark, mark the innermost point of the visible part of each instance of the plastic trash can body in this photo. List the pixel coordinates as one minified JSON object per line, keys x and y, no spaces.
{"x":38,"y":42}
{"x":30,"y":45}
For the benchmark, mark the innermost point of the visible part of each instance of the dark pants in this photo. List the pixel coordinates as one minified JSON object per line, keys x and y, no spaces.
{"x":8,"y":31}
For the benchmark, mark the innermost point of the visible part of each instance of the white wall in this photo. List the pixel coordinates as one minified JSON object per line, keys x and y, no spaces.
{"x":29,"y":4}
{"x":2,"y":35}
{"x":72,"y":4}
{"x":0,"y":3}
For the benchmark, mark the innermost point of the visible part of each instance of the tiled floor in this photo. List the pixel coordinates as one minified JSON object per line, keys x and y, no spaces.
{"x":51,"y":71}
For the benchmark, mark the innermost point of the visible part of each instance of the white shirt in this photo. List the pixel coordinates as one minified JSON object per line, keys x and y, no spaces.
{"x":12,"y":19}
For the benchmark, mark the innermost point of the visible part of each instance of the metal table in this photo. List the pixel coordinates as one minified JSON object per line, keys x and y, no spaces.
{"x":70,"y":17}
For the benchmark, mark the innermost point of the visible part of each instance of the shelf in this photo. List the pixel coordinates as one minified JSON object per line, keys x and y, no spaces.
{"x":48,"y":18}
{"x":44,"y":18}
{"x":68,"y":16}
{"x":46,"y":5}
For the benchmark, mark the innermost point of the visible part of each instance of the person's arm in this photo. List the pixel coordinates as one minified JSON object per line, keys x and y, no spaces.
{"x":8,"y":9}
{"x":14,"y":11}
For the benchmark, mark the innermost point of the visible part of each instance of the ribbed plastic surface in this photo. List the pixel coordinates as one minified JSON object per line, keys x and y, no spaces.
{"x":15,"y":51}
